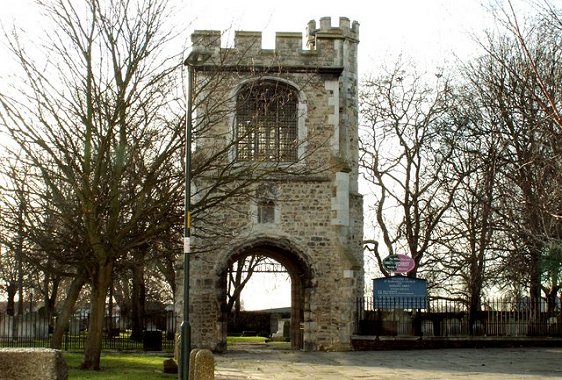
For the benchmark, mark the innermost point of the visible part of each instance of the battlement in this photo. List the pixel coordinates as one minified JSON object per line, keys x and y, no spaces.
{"x":320,"y":49}
{"x":326,"y":30}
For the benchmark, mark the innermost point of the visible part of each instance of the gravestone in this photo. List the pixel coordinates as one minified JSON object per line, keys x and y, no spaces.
{"x":204,"y":368}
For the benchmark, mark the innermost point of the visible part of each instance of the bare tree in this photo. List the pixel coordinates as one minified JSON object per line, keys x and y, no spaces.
{"x":516,"y":86}
{"x":550,"y":26}
{"x":472,"y":242}
{"x":15,"y":208}
{"x":239,"y":273}
{"x":405,"y":145}
{"x":552,"y":274}
{"x":50,"y":250}
{"x":100,"y":119}
{"x":546,"y":28}
{"x":103,"y":115}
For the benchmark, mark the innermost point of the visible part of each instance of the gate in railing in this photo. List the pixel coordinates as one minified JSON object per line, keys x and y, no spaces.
{"x":451,"y":319}
{"x":35,"y":330}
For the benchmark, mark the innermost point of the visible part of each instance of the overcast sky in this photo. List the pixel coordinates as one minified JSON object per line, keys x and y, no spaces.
{"x":431,"y":32}
{"x":419,"y":26}
{"x":427,"y":30}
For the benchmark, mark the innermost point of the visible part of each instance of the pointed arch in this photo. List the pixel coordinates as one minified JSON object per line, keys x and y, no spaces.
{"x":297,"y":266}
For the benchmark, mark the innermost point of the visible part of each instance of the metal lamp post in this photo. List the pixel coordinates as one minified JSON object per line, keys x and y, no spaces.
{"x":196,"y":57}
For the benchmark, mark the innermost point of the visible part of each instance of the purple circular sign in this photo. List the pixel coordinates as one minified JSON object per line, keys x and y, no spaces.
{"x":399,"y":263}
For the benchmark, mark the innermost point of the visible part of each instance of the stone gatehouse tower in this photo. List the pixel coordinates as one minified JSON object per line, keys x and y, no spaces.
{"x":286,"y":122}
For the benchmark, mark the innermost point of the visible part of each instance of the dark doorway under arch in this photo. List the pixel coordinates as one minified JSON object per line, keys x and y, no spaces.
{"x":297,"y":269}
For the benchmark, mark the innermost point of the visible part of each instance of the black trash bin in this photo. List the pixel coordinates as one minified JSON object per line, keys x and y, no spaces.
{"x":152,"y":340}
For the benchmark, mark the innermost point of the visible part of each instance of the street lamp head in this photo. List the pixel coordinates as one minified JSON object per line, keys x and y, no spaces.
{"x":197,"y":56}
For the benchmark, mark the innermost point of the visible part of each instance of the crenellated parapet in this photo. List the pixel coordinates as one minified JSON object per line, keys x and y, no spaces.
{"x":322,"y":47}
{"x":316,"y":36}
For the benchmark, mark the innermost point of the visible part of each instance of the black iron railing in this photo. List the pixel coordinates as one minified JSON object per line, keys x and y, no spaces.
{"x":447,"y":318}
{"x":35,"y":330}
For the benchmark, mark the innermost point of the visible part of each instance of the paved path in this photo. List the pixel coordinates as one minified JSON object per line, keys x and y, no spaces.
{"x":489,"y":363}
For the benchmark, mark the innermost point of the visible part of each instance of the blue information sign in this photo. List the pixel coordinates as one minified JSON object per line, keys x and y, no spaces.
{"x":400,"y":292}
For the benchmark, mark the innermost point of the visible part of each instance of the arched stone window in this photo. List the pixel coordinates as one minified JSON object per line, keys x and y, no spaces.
{"x":266,"y":211}
{"x":267,"y":122}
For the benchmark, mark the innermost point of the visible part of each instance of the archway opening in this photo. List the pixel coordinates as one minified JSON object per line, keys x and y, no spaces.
{"x":263,"y":307}
{"x":269,"y":288}
{"x":275,"y":263}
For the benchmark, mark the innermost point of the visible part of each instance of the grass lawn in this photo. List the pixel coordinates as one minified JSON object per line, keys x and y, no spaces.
{"x":245,"y":339}
{"x":116,"y":365}
{"x":120,"y":366}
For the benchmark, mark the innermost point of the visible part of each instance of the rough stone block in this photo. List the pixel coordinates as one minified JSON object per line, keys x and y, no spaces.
{"x":32,"y":364}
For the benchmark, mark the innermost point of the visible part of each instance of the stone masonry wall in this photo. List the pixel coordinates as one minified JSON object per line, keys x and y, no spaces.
{"x":317,"y":231}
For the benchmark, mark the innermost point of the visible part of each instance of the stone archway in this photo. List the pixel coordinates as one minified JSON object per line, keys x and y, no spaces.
{"x":299,"y":272}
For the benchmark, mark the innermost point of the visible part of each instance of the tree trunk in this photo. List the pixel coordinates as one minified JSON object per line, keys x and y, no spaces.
{"x":138,"y":298}
{"x":560,"y":317}
{"x":475,"y":284}
{"x":551,"y":299}
{"x":100,"y":285}
{"x":50,"y":297}
{"x":122,"y":295}
{"x":535,"y":280}
{"x":473,"y":308}
{"x":19,"y":258}
{"x":66,"y":311}
{"x":11,"y":290}
{"x":20,"y":285}
{"x":535,"y":293}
